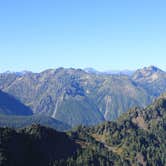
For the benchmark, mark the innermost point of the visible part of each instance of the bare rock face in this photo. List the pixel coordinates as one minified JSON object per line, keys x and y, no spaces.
{"x":152,"y":79}
{"x":149,"y":74}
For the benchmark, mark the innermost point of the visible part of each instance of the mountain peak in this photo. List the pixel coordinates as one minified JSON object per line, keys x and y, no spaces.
{"x":150,"y":73}
{"x":152,"y":68}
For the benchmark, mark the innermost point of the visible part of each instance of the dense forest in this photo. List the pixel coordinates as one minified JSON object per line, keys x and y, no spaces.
{"x":136,"y":138}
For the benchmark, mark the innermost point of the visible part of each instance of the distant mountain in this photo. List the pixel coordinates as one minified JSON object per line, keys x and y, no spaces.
{"x":16,"y":73}
{"x":149,"y":74}
{"x":136,"y":138}
{"x":109,"y":72}
{"x":11,"y":106}
{"x":92,"y":71}
{"x":152,"y":79}
{"x":120,"y":72}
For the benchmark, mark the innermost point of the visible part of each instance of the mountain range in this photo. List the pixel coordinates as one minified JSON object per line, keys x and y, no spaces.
{"x":78,"y":97}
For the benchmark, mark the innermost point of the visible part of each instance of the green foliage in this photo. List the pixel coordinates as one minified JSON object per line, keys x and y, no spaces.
{"x":35,"y":145}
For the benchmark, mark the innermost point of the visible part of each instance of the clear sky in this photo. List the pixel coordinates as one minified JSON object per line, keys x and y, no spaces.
{"x":103,"y":34}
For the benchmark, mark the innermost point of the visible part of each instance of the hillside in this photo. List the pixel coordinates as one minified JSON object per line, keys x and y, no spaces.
{"x":11,"y":106}
{"x":136,"y":138}
{"x":35,"y":145}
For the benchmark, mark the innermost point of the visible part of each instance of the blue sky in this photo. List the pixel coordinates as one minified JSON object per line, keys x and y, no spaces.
{"x":103,"y":34}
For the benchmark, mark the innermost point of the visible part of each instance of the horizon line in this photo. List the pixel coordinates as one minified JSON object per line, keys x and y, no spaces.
{"x":84,"y":69}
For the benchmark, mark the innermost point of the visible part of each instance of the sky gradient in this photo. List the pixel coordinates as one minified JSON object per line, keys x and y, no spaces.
{"x":103,"y":34}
